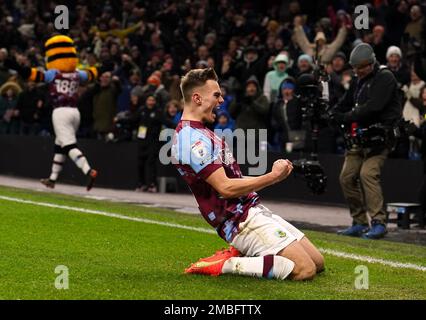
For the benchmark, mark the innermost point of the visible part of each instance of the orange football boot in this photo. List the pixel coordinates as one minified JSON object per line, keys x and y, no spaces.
{"x":213,"y":265}
{"x":92,"y":177}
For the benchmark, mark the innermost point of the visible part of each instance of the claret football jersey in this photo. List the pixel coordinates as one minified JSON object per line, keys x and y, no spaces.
{"x":197,"y":152}
{"x":63,"y":87}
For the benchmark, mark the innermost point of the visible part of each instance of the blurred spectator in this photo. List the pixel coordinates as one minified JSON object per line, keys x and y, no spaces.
{"x":156,"y":88}
{"x":173,"y":113}
{"x":400,"y":70}
{"x":137,"y":91}
{"x":415,"y":26}
{"x":304,"y":64}
{"x":30,"y":103}
{"x":129,"y":75}
{"x":251,"y":64}
{"x":286,"y":119}
{"x":224,"y":127}
{"x":320,"y":48}
{"x":105,"y":104}
{"x":202,"y":53}
{"x":201,"y":64}
{"x":168,"y":72}
{"x":9,"y":114}
{"x":252,"y":110}
{"x":227,"y":100}
{"x":4,"y":73}
{"x":396,"y":21}
{"x":420,"y":133}
{"x":150,"y":120}
{"x":274,"y":77}
{"x":408,"y":147}
{"x":413,"y":108}
{"x":336,"y":86}
{"x":85,"y":106}
{"x":379,"y":43}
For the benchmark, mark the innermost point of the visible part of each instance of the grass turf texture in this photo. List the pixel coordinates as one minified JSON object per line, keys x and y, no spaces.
{"x":111,"y":258}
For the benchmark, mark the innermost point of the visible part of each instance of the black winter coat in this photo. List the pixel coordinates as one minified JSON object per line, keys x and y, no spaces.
{"x":374,"y":99}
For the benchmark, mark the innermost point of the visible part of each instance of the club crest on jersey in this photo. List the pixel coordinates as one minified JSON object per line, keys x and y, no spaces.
{"x":199,"y":150}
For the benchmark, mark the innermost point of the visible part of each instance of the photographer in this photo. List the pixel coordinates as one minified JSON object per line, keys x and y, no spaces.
{"x":372,"y":102}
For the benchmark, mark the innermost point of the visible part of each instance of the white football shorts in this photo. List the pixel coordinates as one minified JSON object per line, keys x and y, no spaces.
{"x":264,"y":233}
{"x":65,"y":121}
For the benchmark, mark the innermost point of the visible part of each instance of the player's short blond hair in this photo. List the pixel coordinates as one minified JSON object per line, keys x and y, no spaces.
{"x":195,"y":78}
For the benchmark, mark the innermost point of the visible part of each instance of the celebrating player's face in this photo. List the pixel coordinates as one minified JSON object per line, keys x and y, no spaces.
{"x":211,"y":98}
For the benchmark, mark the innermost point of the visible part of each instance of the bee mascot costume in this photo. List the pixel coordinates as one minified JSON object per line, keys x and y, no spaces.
{"x":63,"y":80}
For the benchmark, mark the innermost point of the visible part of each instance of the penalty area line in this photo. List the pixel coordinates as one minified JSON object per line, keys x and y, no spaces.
{"x":340,"y":254}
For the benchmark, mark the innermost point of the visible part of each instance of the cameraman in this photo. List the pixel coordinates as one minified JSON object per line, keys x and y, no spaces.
{"x":372,"y":99}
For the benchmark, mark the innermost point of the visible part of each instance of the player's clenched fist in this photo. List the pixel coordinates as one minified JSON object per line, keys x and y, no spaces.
{"x":281,"y":169}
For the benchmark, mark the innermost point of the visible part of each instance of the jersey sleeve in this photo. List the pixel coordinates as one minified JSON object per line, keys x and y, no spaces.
{"x":88,"y":75}
{"x":83,"y":76}
{"x":37,"y":75}
{"x":198,"y":151}
{"x":49,"y":75}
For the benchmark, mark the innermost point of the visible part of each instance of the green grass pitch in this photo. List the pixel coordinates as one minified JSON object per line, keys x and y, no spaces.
{"x":110,"y":258}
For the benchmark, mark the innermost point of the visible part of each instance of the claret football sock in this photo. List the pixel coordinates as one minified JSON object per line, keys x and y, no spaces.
{"x":263,"y":267}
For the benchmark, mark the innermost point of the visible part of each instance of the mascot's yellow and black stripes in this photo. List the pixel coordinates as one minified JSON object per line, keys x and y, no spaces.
{"x":60,"y":54}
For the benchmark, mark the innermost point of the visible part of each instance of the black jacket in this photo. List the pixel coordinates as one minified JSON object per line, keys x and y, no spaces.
{"x":243,"y":70}
{"x":294,"y":114}
{"x":152,"y":119}
{"x":419,"y":67}
{"x":402,"y":75}
{"x":251,"y":112}
{"x":27,"y":104}
{"x":374,"y":99}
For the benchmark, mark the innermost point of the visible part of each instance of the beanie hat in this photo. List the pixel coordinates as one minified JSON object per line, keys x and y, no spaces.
{"x":154,"y":80}
{"x":288,"y":85}
{"x":340,"y":54}
{"x":281,"y":58}
{"x":363,"y":53}
{"x":356,"y":42}
{"x":393,"y":50}
{"x":305,"y":57}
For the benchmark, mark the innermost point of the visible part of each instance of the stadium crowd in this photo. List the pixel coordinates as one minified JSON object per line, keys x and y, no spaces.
{"x":258,"y":49}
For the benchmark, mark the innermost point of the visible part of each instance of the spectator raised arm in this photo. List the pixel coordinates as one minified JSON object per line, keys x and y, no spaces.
{"x":325,"y":51}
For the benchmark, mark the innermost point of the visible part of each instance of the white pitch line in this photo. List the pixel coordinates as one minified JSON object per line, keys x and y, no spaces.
{"x":393,"y":264}
{"x":108,"y":214}
{"x":340,"y":254}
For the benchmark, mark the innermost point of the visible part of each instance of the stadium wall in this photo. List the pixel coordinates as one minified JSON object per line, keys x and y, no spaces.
{"x":31,"y":156}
